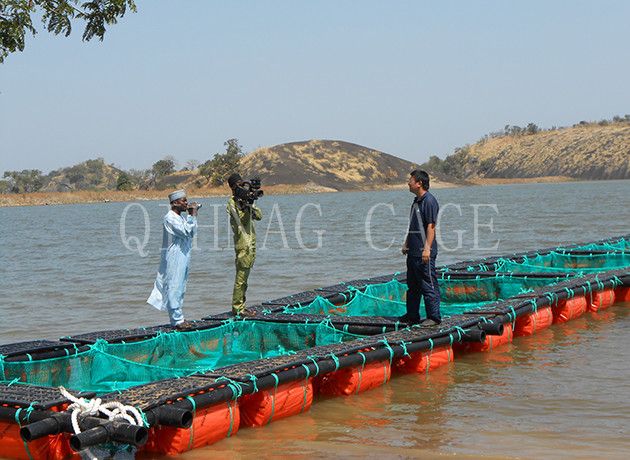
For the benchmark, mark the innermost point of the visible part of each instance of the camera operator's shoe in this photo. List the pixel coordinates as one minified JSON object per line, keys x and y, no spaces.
{"x":244,"y":313}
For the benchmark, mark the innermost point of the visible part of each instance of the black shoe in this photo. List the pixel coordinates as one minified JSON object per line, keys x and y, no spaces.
{"x":406,"y":320}
{"x":429,"y":322}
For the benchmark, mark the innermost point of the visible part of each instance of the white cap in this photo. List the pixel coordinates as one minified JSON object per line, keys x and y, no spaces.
{"x":176,"y":195}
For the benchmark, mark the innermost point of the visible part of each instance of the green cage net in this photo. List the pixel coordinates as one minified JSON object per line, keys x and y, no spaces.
{"x":109,"y":367}
{"x":457,"y":296}
{"x":619,"y":245}
{"x":566,"y":262}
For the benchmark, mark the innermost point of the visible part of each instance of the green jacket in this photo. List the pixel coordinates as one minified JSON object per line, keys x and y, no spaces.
{"x":241,"y":220}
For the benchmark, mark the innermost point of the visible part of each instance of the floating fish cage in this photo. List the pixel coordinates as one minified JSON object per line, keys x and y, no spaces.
{"x":160,"y":390}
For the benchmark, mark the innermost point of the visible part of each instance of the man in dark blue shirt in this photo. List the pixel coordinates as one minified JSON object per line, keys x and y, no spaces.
{"x":421,"y":249}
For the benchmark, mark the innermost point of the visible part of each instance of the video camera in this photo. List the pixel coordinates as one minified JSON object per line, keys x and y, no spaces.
{"x":249,"y":191}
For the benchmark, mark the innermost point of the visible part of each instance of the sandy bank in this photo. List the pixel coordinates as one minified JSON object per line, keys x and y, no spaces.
{"x":105,"y":196}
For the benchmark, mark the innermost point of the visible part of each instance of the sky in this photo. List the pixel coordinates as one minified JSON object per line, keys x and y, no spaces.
{"x":410,"y":78}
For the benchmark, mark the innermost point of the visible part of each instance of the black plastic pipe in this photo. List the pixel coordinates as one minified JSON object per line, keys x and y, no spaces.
{"x":8,"y":413}
{"x":61,"y":422}
{"x":170,"y":415}
{"x":37,"y":356}
{"x":492,"y":328}
{"x":116,"y":431}
{"x":493,"y":274}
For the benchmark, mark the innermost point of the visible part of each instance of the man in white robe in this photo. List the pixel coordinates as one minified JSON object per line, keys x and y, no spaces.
{"x":170,"y":283}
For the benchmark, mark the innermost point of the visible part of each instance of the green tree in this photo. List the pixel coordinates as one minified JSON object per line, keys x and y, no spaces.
{"x":5,"y":186}
{"x":222,"y":165}
{"x":163,"y":167}
{"x":16,"y":19}
{"x":140,"y":177}
{"x":532,"y":128}
{"x":124,"y":182}
{"x":25,"y":181}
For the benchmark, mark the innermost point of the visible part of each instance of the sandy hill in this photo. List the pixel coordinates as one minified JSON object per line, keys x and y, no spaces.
{"x":585,"y":151}
{"x":326,"y":164}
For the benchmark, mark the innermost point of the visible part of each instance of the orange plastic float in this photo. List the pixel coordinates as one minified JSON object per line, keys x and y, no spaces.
{"x":263,"y":407}
{"x":425,"y":361}
{"x":568,"y":309}
{"x":211,"y":424}
{"x":602,"y":299}
{"x":533,"y":322}
{"x":622,"y":294}
{"x":354,"y":380}
{"x":55,"y":447}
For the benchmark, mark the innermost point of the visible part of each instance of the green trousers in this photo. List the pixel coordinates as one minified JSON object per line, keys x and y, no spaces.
{"x":244,"y":263}
{"x":240,"y":288}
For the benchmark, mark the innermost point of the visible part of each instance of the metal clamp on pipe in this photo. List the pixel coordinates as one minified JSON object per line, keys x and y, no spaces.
{"x":115,"y":431}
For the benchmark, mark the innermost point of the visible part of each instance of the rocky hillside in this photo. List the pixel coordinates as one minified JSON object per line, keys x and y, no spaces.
{"x":326,"y":164}
{"x":586,"y":151}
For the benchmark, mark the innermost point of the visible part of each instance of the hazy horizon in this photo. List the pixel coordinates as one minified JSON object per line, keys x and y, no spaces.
{"x":411,"y":79}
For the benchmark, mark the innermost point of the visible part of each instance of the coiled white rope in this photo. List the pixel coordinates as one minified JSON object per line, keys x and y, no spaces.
{"x":113,"y":410}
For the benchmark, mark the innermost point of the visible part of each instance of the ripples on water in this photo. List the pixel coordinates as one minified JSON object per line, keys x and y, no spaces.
{"x":564,"y":392}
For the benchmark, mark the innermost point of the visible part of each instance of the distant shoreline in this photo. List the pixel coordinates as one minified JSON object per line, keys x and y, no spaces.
{"x":115,"y":196}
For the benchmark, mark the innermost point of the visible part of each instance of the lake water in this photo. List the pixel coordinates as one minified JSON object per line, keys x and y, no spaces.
{"x":565,"y":392}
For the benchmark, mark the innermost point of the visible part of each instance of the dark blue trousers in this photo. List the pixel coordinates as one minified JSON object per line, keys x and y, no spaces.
{"x":422,"y":282}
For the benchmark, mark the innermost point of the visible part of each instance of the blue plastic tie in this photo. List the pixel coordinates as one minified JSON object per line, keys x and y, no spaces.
{"x":191,"y":436}
{"x":273,"y":399}
{"x":431,"y":343}
{"x":360,"y":372}
{"x":534,"y":306}
{"x":235,"y":387}
{"x":308,"y":371}
{"x":403,"y":345}
{"x":28,"y":411}
{"x":143,"y":416}
{"x":390,"y":349}
{"x":316,"y":365}
{"x":336,"y":360}
{"x":254,"y":379}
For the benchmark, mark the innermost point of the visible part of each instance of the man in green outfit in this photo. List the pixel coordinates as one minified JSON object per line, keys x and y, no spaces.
{"x":242,"y":215}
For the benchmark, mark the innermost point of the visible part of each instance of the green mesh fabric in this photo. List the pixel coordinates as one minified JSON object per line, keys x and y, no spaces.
{"x":107,"y":367}
{"x":457,"y":296}
{"x":619,"y":245}
{"x":485,"y":289}
{"x":560,"y":262}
